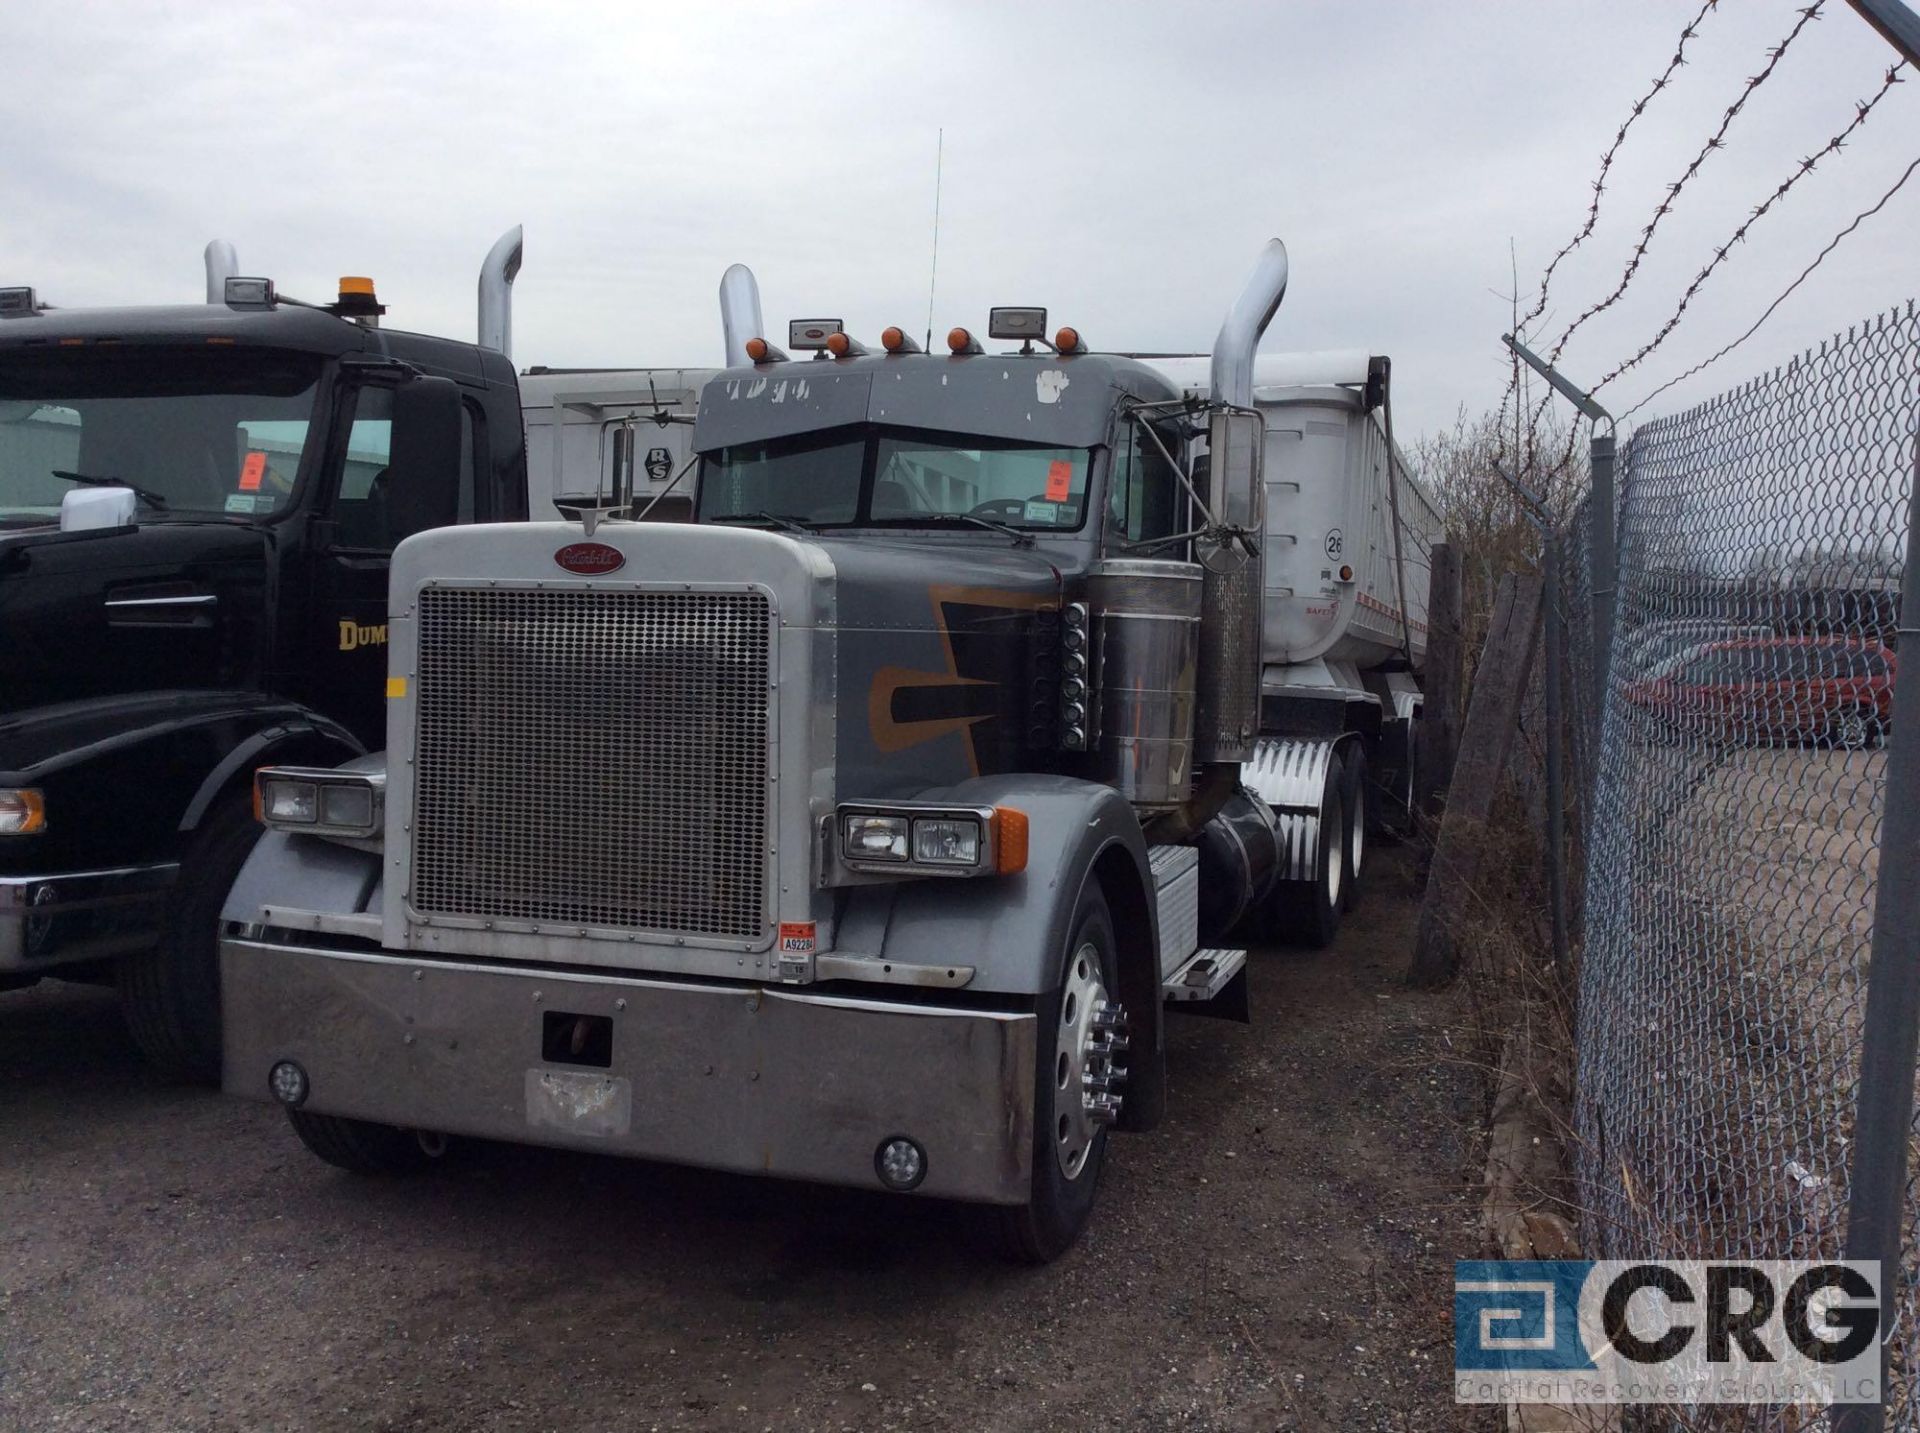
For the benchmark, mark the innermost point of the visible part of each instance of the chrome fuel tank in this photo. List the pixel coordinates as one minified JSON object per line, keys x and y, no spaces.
{"x":1146,"y":620}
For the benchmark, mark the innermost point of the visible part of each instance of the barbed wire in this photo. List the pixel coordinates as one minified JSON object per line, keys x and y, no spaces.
{"x":1715,"y":141}
{"x":1665,"y":207}
{"x":1862,"y":108}
{"x":1512,"y":392}
{"x":1606,"y":163}
{"x":1832,"y":244}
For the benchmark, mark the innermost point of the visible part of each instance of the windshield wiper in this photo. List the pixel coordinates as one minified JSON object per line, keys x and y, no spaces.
{"x":153,"y":499}
{"x":785,"y":521}
{"x":935,"y":519}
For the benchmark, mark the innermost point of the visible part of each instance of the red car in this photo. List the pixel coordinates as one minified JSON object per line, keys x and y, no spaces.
{"x":1828,"y":690}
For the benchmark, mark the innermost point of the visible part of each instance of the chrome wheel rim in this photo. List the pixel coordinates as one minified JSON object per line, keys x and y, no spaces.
{"x":1336,"y":857}
{"x":1091,"y":1033}
{"x":1357,"y":838}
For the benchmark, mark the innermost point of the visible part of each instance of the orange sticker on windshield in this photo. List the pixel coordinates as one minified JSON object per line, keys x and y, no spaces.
{"x":252,"y":471}
{"x":1059,"y":480}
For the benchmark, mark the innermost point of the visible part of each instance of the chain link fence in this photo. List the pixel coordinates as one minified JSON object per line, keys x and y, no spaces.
{"x":1725,"y":816}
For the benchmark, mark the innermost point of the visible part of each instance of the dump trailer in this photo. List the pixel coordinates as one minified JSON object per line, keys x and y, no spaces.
{"x":860,"y":832}
{"x":197,"y":508}
{"x":624,"y":433}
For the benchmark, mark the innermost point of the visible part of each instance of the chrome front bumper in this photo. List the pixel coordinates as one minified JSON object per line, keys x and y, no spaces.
{"x":49,"y":921}
{"x":761,"y":1080}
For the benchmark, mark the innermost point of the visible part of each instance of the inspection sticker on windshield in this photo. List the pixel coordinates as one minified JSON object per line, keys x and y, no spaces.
{"x":797,"y":937}
{"x":240,"y":502}
{"x":1059,"y":480}
{"x":252,"y":471}
{"x":1038,"y":511}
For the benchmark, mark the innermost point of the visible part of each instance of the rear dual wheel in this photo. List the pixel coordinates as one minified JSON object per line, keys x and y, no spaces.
{"x":1308,"y":912}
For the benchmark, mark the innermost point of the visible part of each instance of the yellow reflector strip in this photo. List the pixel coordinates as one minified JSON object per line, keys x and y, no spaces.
{"x":396,"y":687}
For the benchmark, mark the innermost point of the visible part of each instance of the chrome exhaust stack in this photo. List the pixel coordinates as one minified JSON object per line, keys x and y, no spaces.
{"x":497,"y":274}
{"x":739,"y":313}
{"x":222,"y":264}
{"x":1247,"y":320}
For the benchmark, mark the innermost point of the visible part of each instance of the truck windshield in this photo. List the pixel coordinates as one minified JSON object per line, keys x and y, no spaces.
{"x":191,"y":430}
{"x":895,"y":477}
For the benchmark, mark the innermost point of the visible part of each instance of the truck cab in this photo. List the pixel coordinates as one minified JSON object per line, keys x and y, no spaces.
{"x":858,"y":832}
{"x":198,"y":507}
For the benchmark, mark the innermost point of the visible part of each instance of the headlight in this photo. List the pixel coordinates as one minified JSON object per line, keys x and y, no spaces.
{"x":23,"y":811}
{"x":876,"y":838}
{"x":318,"y":802}
{"x":912,"y":840}
{"x":947,"y":841}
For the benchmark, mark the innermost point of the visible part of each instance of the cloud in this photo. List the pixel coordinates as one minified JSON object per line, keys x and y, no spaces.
{"x":1120,"y":164}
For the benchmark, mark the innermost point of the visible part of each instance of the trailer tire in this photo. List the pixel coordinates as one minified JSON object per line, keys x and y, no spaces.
{"x":360,"y":1146}
{"x":170,"y":993}
{"x":1358,"y":806}
{"x":1045,"y":1227}
{"x":1309,"y":911}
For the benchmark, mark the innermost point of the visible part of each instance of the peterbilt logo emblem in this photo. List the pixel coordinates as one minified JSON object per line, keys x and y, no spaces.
{"x":590,"y":559}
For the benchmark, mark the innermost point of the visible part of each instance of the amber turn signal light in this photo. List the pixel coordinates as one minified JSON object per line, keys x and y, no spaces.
{"x":1009,"y":840}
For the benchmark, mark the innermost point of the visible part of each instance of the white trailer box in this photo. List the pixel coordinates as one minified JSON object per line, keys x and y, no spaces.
{"x":598,"y":430}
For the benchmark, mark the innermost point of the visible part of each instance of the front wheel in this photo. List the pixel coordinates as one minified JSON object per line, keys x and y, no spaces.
{"x":361,"y":1146}
{"x":170,"y":993}
{"x":1077,"y":1079}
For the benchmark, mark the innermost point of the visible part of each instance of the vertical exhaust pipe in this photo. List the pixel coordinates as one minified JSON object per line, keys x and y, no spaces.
{"x":1232,"y":378}
{"x":739,"y":313}
{"x":497,"y":274}
{"x":222,"y":264}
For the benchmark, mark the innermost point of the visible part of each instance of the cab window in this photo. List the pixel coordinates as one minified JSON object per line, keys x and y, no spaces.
{"x":1145,"y":497}
{"x":372,"y":511}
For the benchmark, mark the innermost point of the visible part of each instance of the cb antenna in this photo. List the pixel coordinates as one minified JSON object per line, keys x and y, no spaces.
{"x":933,"y":274}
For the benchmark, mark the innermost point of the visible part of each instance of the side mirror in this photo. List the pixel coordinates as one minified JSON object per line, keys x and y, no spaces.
{"x":424,"y":461}
{"x":1235,"y":439}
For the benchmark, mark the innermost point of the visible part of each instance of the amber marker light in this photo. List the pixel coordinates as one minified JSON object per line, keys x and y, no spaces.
{"x":757,"y":349}
{"x":838,"y":344}
{"x":959,"y":340}
{"x":1009,"y":840}
{"x":1067,"y":340}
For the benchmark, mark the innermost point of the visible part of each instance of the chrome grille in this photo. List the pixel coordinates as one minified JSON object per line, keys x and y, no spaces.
{"x":594,"y":758}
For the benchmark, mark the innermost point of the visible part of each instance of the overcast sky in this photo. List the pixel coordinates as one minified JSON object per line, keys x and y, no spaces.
{"x":1120,"y":163}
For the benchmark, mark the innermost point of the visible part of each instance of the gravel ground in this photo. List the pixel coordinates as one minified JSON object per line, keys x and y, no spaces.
{"x":1277,"y":1256}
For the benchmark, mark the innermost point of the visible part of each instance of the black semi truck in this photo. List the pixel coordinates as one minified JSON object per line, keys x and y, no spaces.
{"x":197,"y":508}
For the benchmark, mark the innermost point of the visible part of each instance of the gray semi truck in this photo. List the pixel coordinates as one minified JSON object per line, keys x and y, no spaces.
{"x":862,"y":830}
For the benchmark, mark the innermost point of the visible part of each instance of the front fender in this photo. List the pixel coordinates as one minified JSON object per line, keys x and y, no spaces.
{"x":1010,"y":929}
{"x":307,"y":873}
{"x":125,"y":776}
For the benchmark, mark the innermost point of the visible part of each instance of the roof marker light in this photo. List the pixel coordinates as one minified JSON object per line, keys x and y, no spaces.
{"x":841,"y":345}
{"x":960,"y":341}
{"x":898,"y":340}
{"x":1068,"y":340}
{"x":758,"y":350}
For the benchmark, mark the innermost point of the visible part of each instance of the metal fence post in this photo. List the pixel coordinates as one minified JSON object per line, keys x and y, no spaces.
{"x":1606,"y":561}
{"x":1556,"y":782}
{"x":1883,"y":1116}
